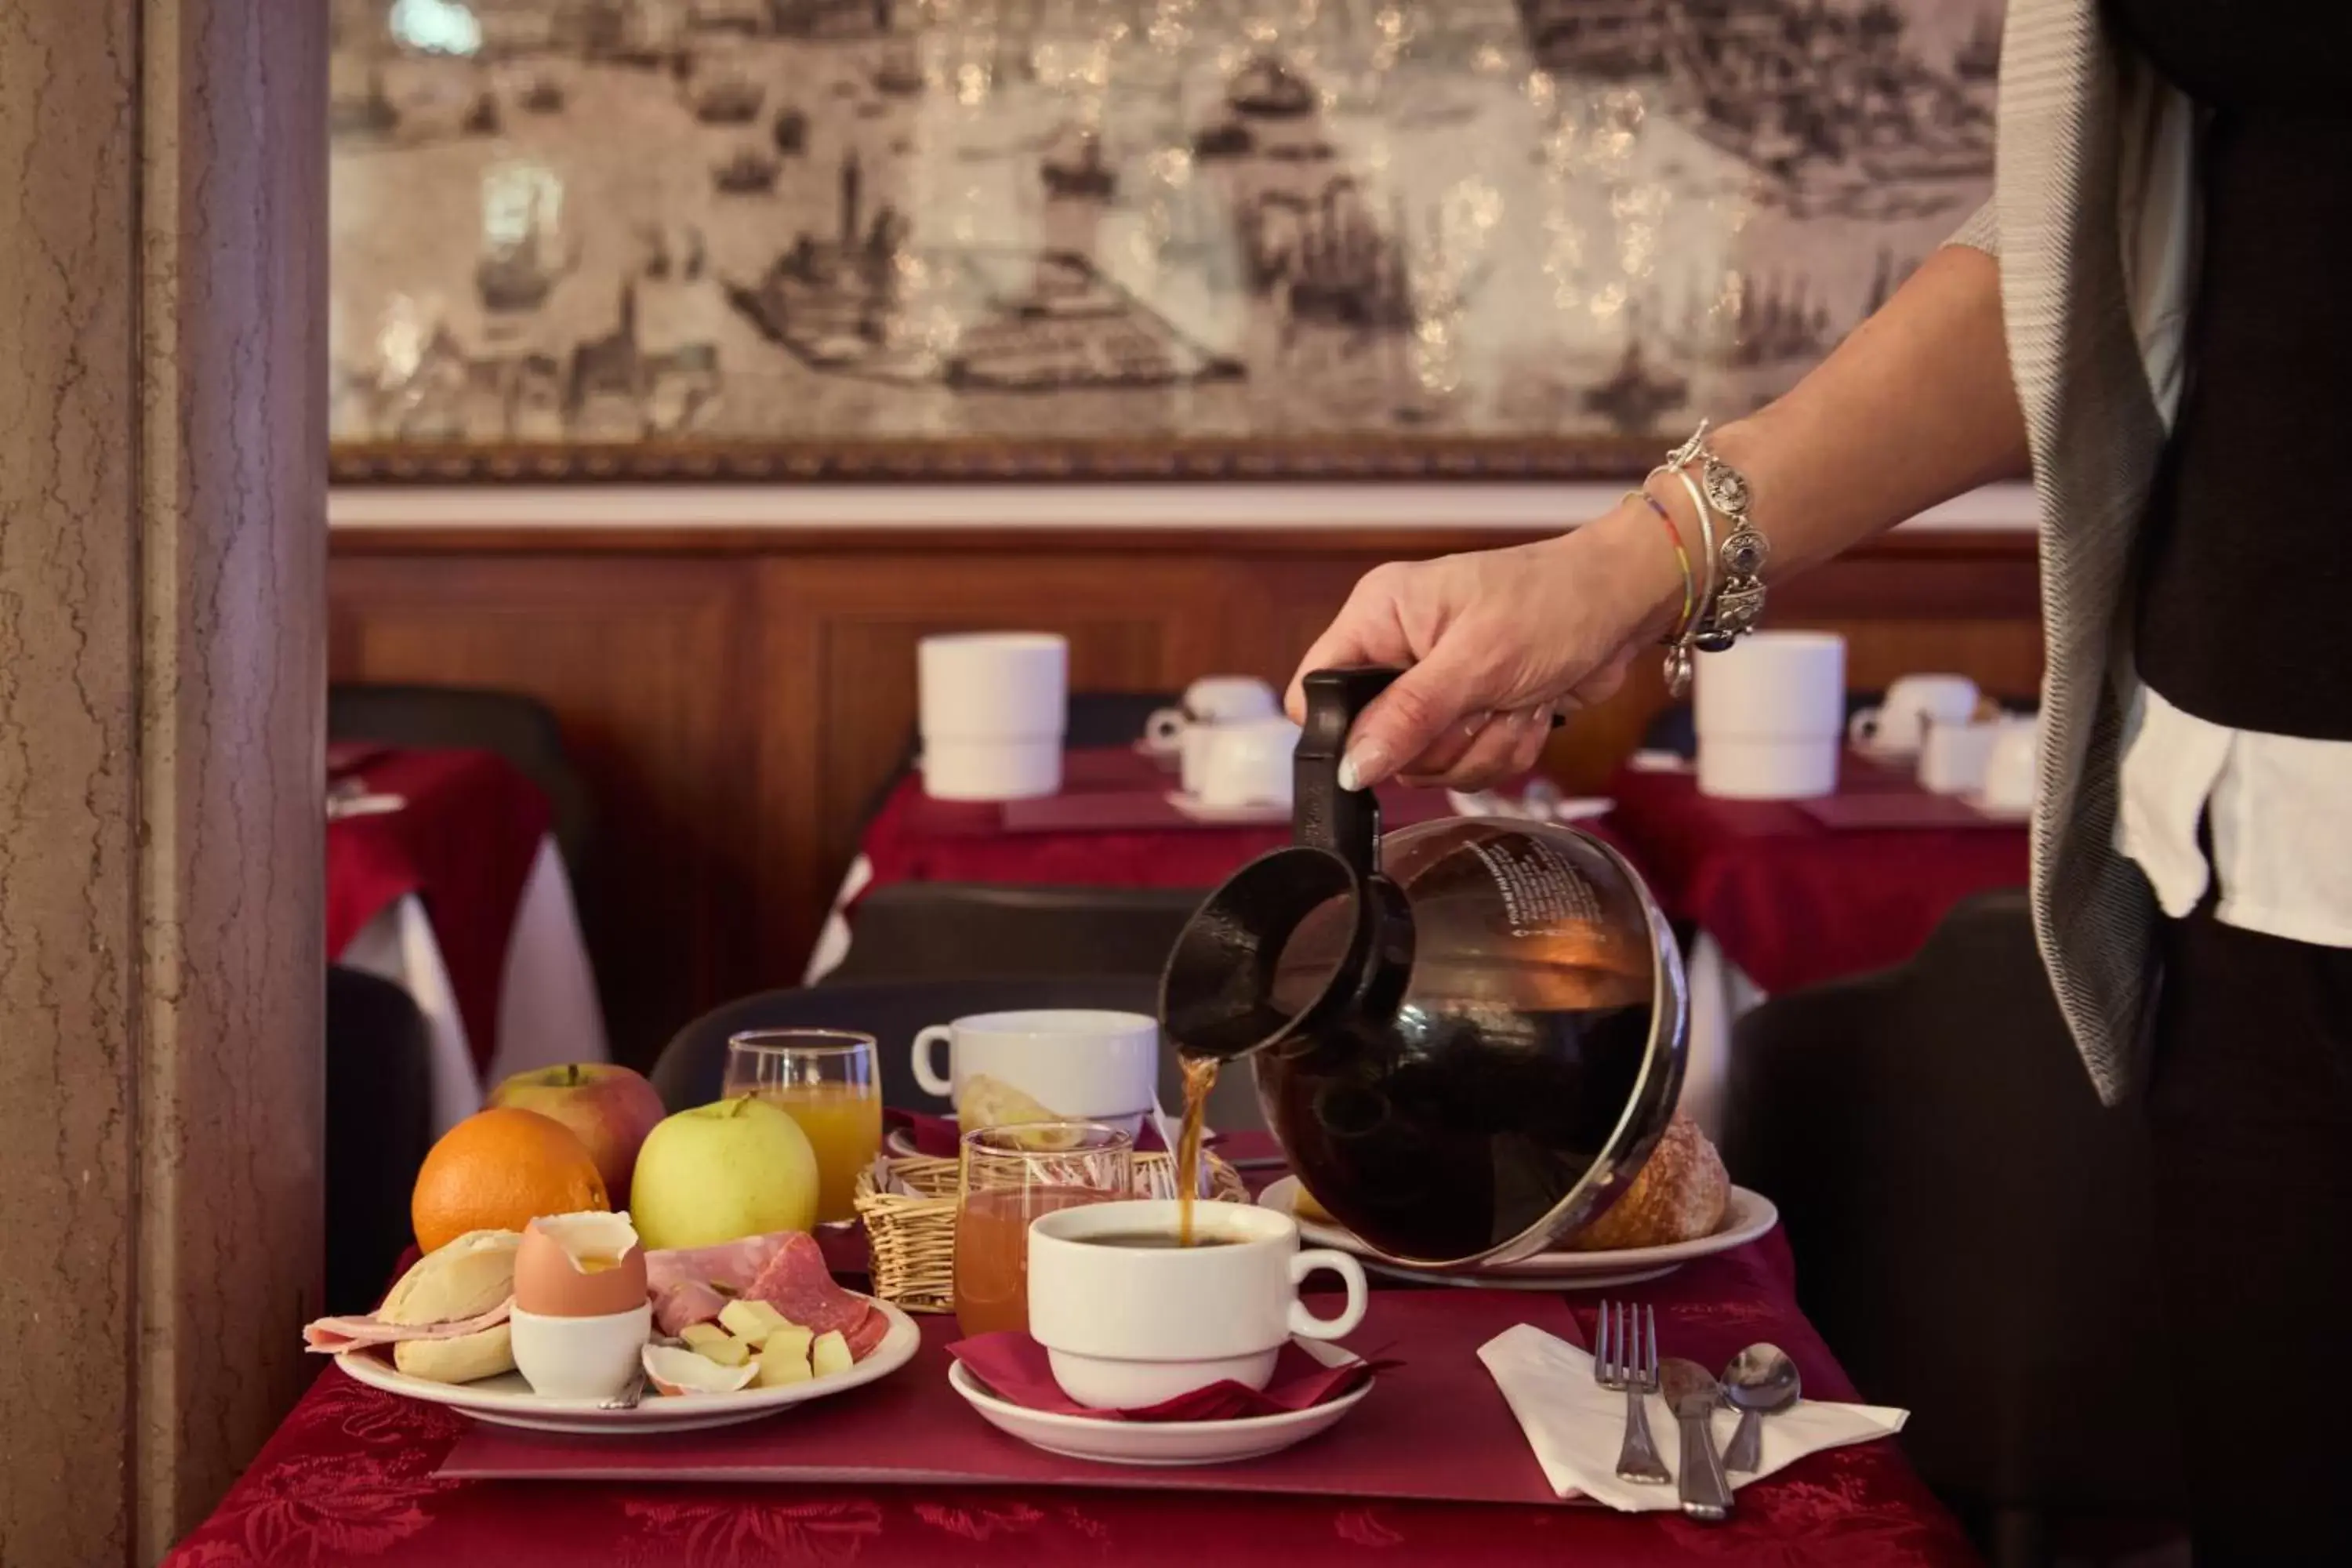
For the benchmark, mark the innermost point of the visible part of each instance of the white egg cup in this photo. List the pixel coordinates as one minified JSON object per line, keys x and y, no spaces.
{"x":579,"y":1358}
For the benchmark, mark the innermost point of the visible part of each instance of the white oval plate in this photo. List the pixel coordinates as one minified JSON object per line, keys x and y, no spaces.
{"x":1160,"y":1442}
{"x":507,"y":1400}
{"x":1746,"y":1218}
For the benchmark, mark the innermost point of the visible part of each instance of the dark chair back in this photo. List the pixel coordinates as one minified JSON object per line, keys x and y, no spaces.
{"x":379,"y":1128}
{"x":1972,"y":1228}
{"x":520,"y":729}
{"x":953,"y":930}
{"x":894,"y":1011}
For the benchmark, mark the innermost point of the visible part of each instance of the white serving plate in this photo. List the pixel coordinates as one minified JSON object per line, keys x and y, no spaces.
{"x":1161,"y":1441}
{"x":1747,"y":1216}
{"x":507,"y":1400}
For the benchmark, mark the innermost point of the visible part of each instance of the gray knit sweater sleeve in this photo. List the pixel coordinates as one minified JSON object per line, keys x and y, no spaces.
{"x":1981,"y":232}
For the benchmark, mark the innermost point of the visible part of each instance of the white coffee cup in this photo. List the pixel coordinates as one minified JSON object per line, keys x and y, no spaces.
{"x":1211,"y":700}
{"x":1125,"y":1327}
{"x":1897,"y":726}
{"x":1771,"y":712}
{"x":2012,"y":774}
{"x":1078,"y":1062}
{"x":993,"y":708}
{"x":1954,"y":758}
{"x":1242,"y":764}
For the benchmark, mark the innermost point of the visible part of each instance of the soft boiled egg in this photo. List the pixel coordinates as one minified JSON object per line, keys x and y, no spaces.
{"x":580,"y":1265}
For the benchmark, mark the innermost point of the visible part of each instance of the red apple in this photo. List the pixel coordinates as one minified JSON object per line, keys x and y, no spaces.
{"x":610,"y":1107}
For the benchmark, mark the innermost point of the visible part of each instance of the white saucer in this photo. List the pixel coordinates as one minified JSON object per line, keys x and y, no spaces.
{"x":1160,"y":1442}
{"x":1975,"y":801}
{"x":1746,"y":1218}
{"x":507,"y":1400}
{"x":1260,"y":814}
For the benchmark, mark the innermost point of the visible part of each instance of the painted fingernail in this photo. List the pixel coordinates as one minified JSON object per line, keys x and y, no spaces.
{"x":1363,"y":764}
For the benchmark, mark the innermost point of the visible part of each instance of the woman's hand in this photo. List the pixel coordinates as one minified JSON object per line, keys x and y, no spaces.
{"x":1492,"y":644}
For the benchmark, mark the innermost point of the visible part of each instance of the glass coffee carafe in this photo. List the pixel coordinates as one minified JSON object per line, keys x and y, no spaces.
{"x":1467,"y":1036}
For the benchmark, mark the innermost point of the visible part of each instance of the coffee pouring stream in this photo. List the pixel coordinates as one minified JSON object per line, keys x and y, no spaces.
{"x":1467,"y":1036}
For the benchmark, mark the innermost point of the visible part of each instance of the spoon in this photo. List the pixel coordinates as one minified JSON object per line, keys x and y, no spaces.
{"x":1760,"y":1380}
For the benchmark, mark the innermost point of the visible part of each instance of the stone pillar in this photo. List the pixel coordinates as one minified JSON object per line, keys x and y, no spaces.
{"x":163,"y":450}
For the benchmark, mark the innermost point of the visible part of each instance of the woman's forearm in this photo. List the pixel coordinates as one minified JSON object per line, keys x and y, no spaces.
{"x":1915,"y":408}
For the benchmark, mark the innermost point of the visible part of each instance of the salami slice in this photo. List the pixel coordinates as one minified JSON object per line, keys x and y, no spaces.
{"x":797,"y":1284}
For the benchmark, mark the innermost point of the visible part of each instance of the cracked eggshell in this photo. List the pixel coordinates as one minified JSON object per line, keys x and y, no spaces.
{"x":675,"y":1371}
{"x":580,"y":1265}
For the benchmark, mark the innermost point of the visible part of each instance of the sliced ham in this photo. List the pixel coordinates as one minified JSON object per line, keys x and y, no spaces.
{"x":332,"y":1336}
{"x":731,"y":1265}
{"x":797,"y":1284}
{"x":686,"y":1303}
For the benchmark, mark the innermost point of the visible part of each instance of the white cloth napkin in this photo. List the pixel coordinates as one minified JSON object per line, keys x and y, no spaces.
{"x":1575,"y":1425}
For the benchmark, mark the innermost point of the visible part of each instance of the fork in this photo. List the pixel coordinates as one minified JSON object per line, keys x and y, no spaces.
{"x":1626,"y":1356}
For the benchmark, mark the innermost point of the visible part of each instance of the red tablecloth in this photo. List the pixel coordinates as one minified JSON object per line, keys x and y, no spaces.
{"x":914,"y":838}
{"x":348,"y":1480}
{"x":1793,"y":902}
{"x":464,"y":844}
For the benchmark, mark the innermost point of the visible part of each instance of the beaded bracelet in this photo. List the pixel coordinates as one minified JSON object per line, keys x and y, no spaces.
{"x":1732,"y":609}
{"x":1682,"y":558}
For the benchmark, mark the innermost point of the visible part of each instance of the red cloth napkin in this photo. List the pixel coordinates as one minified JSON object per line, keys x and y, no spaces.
{"x":1014,"y":1366}
{"x":941,"y":1138}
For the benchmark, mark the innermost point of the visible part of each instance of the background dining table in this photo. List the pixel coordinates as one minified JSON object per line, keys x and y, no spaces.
{"x":1778,"y":895}
{"x":443,"y":877}
{"x":914,"y":838}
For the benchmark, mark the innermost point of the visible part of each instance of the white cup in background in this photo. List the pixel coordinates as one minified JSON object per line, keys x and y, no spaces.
{"x":1077,"y":1062}
{"x":1125,"y":1327}
{"x":2012,"y":774}
{"x":1897,"y":726}
{"x":1211,"y":700}
{"x":992,"y":710}
{"x":1770,"y":713}
{"x":1244,"y":765}
{"x":1954,"y":758}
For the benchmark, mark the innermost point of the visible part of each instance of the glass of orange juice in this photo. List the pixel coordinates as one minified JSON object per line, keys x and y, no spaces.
{"x":1011,"y":1174}
{"x":827,"y":1080}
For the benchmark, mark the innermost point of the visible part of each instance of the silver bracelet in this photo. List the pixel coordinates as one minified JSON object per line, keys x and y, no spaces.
{"x":1738,"y":603}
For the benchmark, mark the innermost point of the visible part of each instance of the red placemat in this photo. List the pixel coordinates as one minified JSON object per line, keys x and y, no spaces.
{"x":1434,"y":1428}
{"x":1894,"y":809}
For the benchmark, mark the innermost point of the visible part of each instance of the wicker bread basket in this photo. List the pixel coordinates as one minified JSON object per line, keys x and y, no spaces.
{"x":913,"y":1238}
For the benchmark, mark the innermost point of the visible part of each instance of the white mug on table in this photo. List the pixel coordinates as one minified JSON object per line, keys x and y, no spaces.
{"x":1128,"y":1326}
{"x":1769,"y":711}
{"x":993,"y":708}
{"x":1954,"y":757}
{"x":2012,"y":774}
{"x":1076,"y":1062}
{"x":1211,"y":700}
{"x":1897,"y":726}
{"x":1240,"y":765}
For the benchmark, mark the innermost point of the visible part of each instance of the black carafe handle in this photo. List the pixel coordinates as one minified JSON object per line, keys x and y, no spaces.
{"x":1323,"y":816}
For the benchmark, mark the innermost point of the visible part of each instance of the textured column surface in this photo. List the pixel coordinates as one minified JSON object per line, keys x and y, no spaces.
{"x":162,"y":249}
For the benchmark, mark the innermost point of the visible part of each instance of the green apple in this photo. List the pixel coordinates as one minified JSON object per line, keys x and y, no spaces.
{"x":742,"y":1167}
{"x":610,"y":1107}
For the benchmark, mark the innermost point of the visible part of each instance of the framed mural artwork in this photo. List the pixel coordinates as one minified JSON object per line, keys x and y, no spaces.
{"x":952,"y":238}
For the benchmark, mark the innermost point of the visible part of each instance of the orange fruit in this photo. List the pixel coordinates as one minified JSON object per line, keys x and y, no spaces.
{"x":500,"y":1169}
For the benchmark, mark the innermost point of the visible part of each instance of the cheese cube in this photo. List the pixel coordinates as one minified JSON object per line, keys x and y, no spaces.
{"x":714,"y":1343}
{"x":830,"y":1355}
{"x":785,"y":1361}
{"x":752,"y":1321}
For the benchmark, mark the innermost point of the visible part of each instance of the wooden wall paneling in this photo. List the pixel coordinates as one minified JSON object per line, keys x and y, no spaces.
{"x":646,"y":661}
